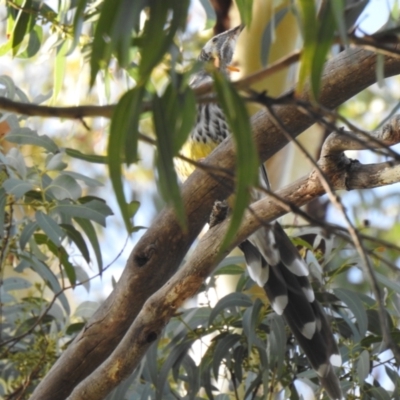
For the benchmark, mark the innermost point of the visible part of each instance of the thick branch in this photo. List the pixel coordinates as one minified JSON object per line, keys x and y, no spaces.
{"x":157,"y":255}
{"x":162,"y":305}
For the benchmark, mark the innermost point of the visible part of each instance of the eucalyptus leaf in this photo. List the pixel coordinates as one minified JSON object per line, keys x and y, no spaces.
{"x":363,"y":367}
{"x":355,"y":305}
{"x":247,"y":157}
{"x":50,"y":227}
{"x":17,"y":187}
{"x":231,"y":300}
{"x":65,"y":187}
{"x":26,"y":135}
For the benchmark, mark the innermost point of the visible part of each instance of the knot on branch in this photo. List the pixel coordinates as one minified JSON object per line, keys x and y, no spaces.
{"x":143,"y":257}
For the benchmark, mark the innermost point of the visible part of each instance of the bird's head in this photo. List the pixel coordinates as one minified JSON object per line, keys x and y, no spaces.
{"x":220,"y":48}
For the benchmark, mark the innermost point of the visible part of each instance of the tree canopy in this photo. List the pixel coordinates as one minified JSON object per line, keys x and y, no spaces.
{"x":95,"y":104}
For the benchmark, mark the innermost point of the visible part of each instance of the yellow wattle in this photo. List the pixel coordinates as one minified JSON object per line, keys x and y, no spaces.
{"x":195,"y":151}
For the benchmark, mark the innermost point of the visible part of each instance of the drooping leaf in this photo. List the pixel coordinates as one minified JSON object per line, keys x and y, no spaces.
{"x":61,"y":254}
{"x":246,"y":154}
{"x":168,"y":180}
{"x":356,"y":307}
{"x":50,"y":227}
{"x":92,"y":158}
{"x":231,"y":300}
{"x":156,"y":39}
{"x":222,"y":349}
{"x":77,"y":238}
{"x":309,"y":27}
{"x":245,"y":9}
{"x":269,"y":33}
{"x":177,"y":352}
{"x":34,"y":43}
{"x":326,"y":31}
{"x":45,"y":273}
{"x":24,"y":23}
{"x":26,"y":233}
{"x":90,"y":232}
{"x":363,"y":367}
{"x":123,"y":140}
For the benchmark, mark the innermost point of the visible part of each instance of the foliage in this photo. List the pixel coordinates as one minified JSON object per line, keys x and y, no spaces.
{"x":235,"y":347}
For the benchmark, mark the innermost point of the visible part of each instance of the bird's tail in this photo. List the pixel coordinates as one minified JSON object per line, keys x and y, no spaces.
{"x":275,"y":264}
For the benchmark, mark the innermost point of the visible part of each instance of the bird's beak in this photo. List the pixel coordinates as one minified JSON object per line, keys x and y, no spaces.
{"x":232,"y":68}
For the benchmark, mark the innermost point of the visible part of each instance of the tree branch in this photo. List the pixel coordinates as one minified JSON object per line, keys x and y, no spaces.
{"x":162,"y":305}
{"x":160,"y":251}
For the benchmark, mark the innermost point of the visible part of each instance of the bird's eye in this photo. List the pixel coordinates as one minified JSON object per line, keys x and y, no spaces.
{"x":214,"y":39}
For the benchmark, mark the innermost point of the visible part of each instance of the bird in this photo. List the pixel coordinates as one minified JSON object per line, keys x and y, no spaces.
{"x":272,"y":260}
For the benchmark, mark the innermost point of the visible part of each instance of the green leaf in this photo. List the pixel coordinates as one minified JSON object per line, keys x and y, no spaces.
{"x":245,"y":9}
{"x":268,"y":35}
{"x":356,"y":306}
{"x":363,"y":367}
{"x":222,"y":349}
{"x":156,"y":39}
{"x":50,"y":228}
{"x":177,"y":352}
{"x":17,"y":187}
{"x":34,"y":43}
{"x":326,"y":31}
{"x":250,"y":317}
{"x":231,"y":300}
{"x":65,"y":187}
{"x":26,"y":233}
{"x":78,"y":23}
{"x":59,"y":67}
{"x":123,"y":139}
{"x":230,"y":270}
{"x":388,"y":282}
{"x":46,"y":274}
{"x":247,"y":160}
{"x":77,"y":238}
{"x":61,"y":254}
{"x":102,"y":43}
{"x":92,"y":158}
{"x":24,"y":23}
{"x":15,"y":283}
{"x":276,"y":342}
{"x":90,"y":232}
{"x":28,"y":136}
{"x":163,"y":115}
{"x":79,"y":177}
{"x":337,"y":9}
{"x":309,"y":25}
{"x":93,"y":210}
{"x":54,"y":162}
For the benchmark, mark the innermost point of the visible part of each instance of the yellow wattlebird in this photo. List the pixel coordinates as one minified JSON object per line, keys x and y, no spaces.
{"x":272,"y":260}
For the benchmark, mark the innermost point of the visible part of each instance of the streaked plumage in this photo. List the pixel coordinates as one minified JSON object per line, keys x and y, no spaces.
{"x":273,"y":261}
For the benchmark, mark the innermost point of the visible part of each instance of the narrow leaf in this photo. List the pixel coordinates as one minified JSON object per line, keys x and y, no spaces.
{"x":356,"y":307}
{"x":123,"y":139}
{"x":246,"y":158}
{"x":50,"y":227}
{"x":90,"y":232}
